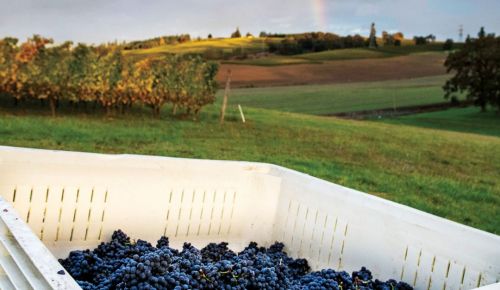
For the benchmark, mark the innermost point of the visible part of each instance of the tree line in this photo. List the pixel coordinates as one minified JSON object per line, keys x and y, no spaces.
{"x":315,"y":42}
{"x":157,"y":41}
{"x":321,"y":41}
{"x":103,"y":76}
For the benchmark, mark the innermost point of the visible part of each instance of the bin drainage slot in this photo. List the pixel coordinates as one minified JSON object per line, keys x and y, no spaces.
{"x":463,"y":276}
{"x":212,"y":213}
{"x":179,"y":214}
{"x":343,"y":244}
{"x":167,"y":216}
{"x":313,"y":231}
{"x":404,"y":263}
{"x":201,"y":212}
{"x":322,"y":237}
{"x":303,"y":230}
{"x":191,"y":212}
{"x":88,"y":223}
{"x":44,"y":217}
{"x":74,"y":215}
{"x":295,"y":223}
{"x":102,"y":215}
{"x":448,"y":269}
{"x":286,"y":219}
{"x":331,"y":241}
{"x":29,"y":208}
{"x":222,"y":213}
{"x":14,"y":195}
{"x":231,"y":214}
{"x":418,"y":265}
{"x":60,"y":215}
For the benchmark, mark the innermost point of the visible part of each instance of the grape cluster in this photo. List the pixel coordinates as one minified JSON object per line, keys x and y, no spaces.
{"x":125,"y":264}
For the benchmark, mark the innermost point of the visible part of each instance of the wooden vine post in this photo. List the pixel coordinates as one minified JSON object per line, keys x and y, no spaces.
{"x":226,"y":95}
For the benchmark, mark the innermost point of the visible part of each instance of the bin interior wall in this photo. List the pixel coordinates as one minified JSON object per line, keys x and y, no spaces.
{"x":334,"y":226}
{"x":72,"y":201}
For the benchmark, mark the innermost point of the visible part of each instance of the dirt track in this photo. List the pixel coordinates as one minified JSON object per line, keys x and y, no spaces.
{"x":344,"y":71}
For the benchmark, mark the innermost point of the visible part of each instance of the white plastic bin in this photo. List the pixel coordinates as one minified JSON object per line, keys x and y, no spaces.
{"x":76,"y":200}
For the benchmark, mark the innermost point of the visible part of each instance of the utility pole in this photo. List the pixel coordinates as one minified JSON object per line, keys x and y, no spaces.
{"x":226,"y":95}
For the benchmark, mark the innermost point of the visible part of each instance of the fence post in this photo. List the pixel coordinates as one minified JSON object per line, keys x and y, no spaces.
{"x":241,"y":113}
{"x":226,"y":95}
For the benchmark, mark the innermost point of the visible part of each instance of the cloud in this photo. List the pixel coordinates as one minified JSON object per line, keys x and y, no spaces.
{"x":367,"y":9}
{"x":99,"y":21}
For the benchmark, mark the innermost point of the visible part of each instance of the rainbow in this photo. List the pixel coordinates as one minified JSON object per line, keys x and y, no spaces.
{"x":319,"y":12}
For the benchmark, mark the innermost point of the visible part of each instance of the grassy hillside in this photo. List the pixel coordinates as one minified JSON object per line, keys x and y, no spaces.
{"x":341,"y":54}
{"x":273,"y":60}
{"x":469,"y":120}
{"x":336,"y":98}
{"x":450,"y":174}
{"x":383,"y":51}
{"x":250,"y":45}
{"x":314,"y":57}
{"x":345,"y":54}
{"x":214,"y":47}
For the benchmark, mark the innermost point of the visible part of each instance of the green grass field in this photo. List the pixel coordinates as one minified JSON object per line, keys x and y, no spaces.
{"x":450,"y":174}
{"x":274,"y":60}
{"x":460,"y":120}
{"x":329,"y":55}
{"x":315,"y":57}
{"x":383,"y":51}
{"x":336,"y":98}
{"x":344,"y":54}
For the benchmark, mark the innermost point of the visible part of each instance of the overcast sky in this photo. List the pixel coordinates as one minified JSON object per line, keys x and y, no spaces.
{"x":95,"y":21}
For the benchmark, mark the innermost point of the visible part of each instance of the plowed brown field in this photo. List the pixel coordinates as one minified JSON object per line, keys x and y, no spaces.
{"x":340,"y":71}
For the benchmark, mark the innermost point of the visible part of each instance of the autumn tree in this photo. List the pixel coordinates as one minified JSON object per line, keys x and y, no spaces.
{"x":476,"y":69}
{"x":33,"y":60}
{"x":126,"y":88}
{"x":110,"y":72}
{"x":162,"y":75}
{"x":143,"y":80}
{"x":387,"y":38}
{"x":398,"y":36}
{"x":156,"y":82}
{"x":84,"y":74}
{"x":8,"y":65}
{"x":26,"y":69}
{"x":209,"y":85}
{"x":175,"y":81}
{"x":53,"y":79}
